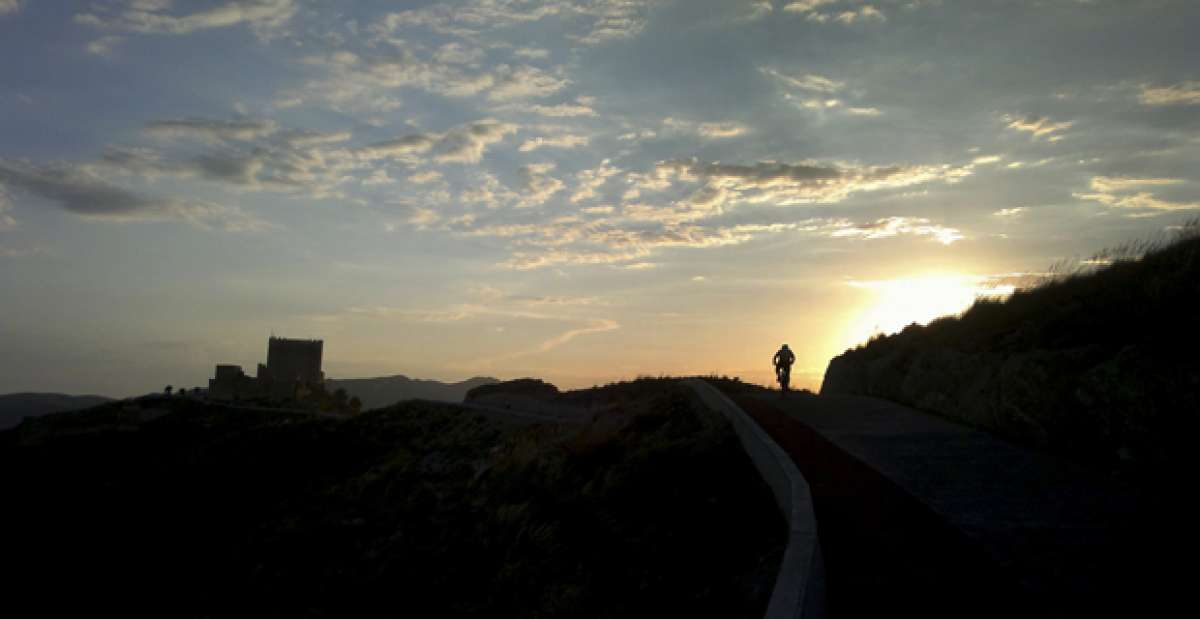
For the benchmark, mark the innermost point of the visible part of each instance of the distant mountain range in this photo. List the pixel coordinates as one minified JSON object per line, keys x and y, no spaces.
{"x":16,"y":406}
{"x":387,"y":390}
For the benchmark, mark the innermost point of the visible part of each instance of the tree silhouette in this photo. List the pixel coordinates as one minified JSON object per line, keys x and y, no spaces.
{"x":168,"y":389}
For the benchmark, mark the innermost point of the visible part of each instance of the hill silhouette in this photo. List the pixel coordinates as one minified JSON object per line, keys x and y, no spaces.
{"x":177,"y":506}
{"x":16,"y":406}
{"x":523,"y":387}
{"x":1098,"y":365}
{"x":387,"y":390}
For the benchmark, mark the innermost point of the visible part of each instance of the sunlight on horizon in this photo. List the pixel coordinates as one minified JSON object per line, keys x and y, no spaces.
{"x":900,"y":302}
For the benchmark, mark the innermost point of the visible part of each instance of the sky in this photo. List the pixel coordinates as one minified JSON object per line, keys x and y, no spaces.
{"x":578,"y":190}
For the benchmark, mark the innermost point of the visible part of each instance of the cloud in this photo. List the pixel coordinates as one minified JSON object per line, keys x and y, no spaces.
{"x":613,"y":19}
{"x":581,"y":107}
{"x":819,"y":90}
{"x":229,"y":169}
{"x":9,"y":6}
{"x":212,"y":131}
{"x":6,"y":221}
{"x":811,"y":9}
{"x":566,"y":242}
{"x":416,"y":143}
{"x":817,"y":104}
{"x":690,"y":204}
{"x":423,"y":218}
{"x":489,"y":192}
{"x":1185,"y":93}
{"x":1116,"y":192}
{"x":596,"y":326}
{"x":1039,"y":126}
{"x":467,"y":143}
{"x":462,"y":144}
{"x":368,"y":81}
{"x":864,"y":13}
{"x":1143,"y":201}
{"x":428,"y":176}
{"x":316,"y":138}
{"x":264,"y":169}
{"x":712,"y":130}
{"x":1109,"y":184}
{"x":524,"y":82}
{"x":805,"y":183}
{"x":811,"y":81}
{"x":757,"y":9}
{"x":151,"y":17}
{"x":607,"y":20}
{"x":246,"y":155}
{"x":467,"y":18}
{"x":721,"y":130}
{"x":537,"y":184}
{"x":103,"y":46}
{"x":83,"y":193}
{"x":806,"y":6}
{"x":378,"y":177}
{"x":889,"y":227}
{"x":591,"y":180}
{"x":564,"y":140}
{"x":457,"y":53}
{"x":354,"y":82}
{"x":532,"y":53}
{"x":1010,"y":213}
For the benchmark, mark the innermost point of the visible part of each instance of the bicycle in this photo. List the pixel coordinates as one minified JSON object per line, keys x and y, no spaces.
{"x":783,"y":374}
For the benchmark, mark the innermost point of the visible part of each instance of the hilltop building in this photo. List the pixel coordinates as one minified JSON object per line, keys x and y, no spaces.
{"x":293,"y":369}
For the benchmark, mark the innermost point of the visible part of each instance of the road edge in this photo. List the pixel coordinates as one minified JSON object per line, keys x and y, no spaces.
{"x":800,"y":585}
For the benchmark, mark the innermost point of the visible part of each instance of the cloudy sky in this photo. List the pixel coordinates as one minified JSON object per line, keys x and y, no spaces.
{"x":582,"y":190}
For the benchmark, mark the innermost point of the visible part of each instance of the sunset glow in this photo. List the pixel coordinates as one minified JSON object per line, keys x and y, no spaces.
{"x":897,"y":303}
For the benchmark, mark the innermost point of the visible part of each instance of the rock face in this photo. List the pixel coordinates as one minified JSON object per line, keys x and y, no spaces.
{"x":1093,"y":405}
{"x":1098,"y":367}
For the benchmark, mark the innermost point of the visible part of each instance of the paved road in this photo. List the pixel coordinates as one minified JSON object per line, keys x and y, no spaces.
{"x":1018,"y":526}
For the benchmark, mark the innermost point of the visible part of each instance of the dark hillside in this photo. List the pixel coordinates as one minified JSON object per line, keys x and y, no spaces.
{"x":176,"y":507}
{"x":1100,"y":366}
{"x":388,"y":390}
{"x":16,"y":406}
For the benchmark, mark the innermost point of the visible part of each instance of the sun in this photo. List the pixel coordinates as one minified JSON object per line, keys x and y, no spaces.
{"x":896,"y":303}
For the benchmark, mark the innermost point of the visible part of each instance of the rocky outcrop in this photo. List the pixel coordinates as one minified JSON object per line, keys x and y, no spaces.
{"x":523,"y":387}
{"x":1095,"y":405}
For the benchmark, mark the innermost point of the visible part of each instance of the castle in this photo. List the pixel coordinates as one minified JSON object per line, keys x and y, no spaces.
{"x":293,"y":369}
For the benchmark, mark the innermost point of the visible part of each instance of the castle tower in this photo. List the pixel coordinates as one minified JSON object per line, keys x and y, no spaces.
{"x":292,"y":363}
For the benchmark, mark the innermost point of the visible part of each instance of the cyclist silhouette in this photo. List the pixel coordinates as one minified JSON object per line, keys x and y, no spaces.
{"x":783,"y":361}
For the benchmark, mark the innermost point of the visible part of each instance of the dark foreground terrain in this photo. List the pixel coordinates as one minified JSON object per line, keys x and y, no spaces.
{"x":174,"y":507}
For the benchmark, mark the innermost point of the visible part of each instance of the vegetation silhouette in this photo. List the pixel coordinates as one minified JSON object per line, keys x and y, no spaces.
{"x":190,"y":508}
{"x":1095,"y":361}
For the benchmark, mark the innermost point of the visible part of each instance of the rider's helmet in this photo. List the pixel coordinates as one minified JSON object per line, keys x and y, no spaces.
{"x":785,"y":346}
